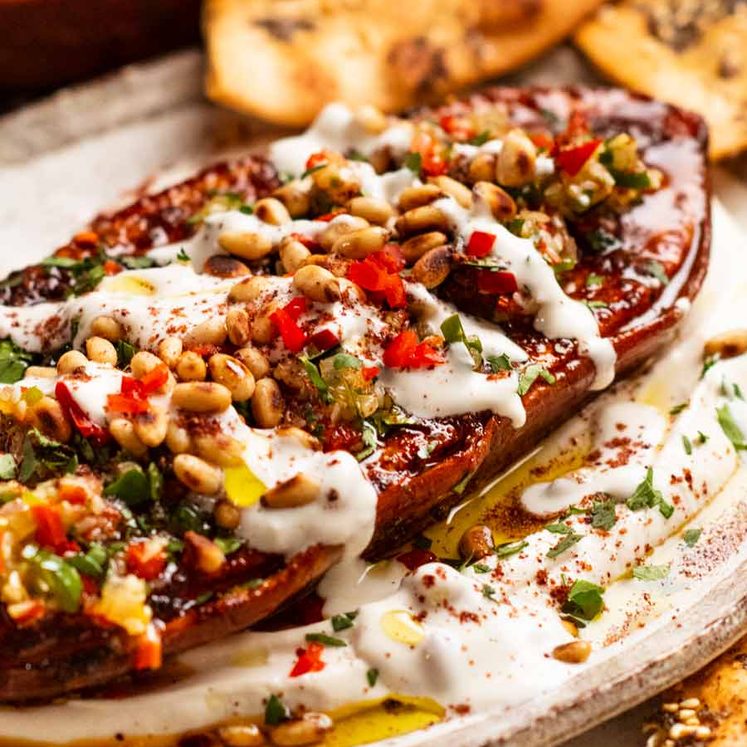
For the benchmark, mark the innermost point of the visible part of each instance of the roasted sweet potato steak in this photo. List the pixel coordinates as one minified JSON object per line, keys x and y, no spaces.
{"x":621,"y":216}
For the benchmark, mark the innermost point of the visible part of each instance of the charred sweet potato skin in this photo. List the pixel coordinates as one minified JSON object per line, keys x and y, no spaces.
{"x":671,"y":226}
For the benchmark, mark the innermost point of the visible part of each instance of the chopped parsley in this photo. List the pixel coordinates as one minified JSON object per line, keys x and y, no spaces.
{"x":488,"y":592}
{"x":182,"y":255}
{"x":93,"y":563}
{"x":691,"y":536}
{"x":370,"y":438}
{"x":314,"y":169}
{"x":480,"y":139}
{"x":316,"y":378}
{"x":650,"y":572}
{"x":13,"y":362}
{"x":584,"y":601}
{"x":453,"y":332}
{"x":345,"y":360}
{"x":372,"y":675}
{"x":51,"y":572}
{"x":131,"y":487}
{"x":7,"y":467}
{"x":730,"y":428}
{"x":657,"y":271}
{"x":677,"y":409}
{"x":414,"y":162}
{"x":480,"y":568}
{"x":509,"y":548}
{"x":228,"y":545}
{"x":647,"y":496}
{"x":687,"y":445}
{"x":343,"y":621}
{"x":570,"y":539}
{"x":558,"y":528}
{"x":603,"y":514}
{"x":125,"y":351}
{"x":593,"y":280}
{"x":276,"y":711}
{"x":325,"y":640}
{"x":701,"y":438}
{"x":499,"y":362}
{"x":530,"y":374}
{"x":43,"y":457}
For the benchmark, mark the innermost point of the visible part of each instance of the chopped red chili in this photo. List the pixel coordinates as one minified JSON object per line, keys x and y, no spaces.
{"x":317,"y":159}
{"x":324,"y":339}
{"x":148,"y":653}
{"x":497,"y":281}
{"x":480,"y":244}
{"x":416,"y":557}
{"x":285,"y":320}
{"x":309,"y":660}
{"x":370,"y":372}
{"x":145,"y":559}
{"x":378,"y":274}
{"x":50,"y":531}
{"x":82,"y":422}
{"x":404,"y":351}
{"x":572,"y":159}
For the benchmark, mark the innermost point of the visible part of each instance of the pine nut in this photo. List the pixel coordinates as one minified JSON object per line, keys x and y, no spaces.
{"x":338,"y":266}
{"x":247,"y":245}
{"x":703,"y":732}
{"x":169,"y":350}
{"x":227,"y":515}
{"x":575,"y":652}
{"x":359,"y":244}
{"x":270,"y":210}
{"x":338,"y":227}
{"x":499,"y":201}
{"x":201,"y":396}
{"x":40,"y":372}
{"x":417,"y":246}
{"x":100,"y":350}
{"x":293,"y":254}
{"x":177,"y":438}
{"x":223,"y":266}
{"x":311,"y":728}
{"x":47,"y":416}
{"x":433,"y":267}
{"x":123,"y":432}
{"x":686,"y":713}
{"x":414,"y":197}
{"x":419,"y":219}
{"x":454,"y":189}
{"x":108,"y":328}
{"x":372,"y":119}
{"x":191,"y":367}
{"x":233,"y":374}
{"x":143,"y":363}
{"x":71,"y":361}
{"x":210,"y":332}
{"x":267,"y":403}
{"x":374,"y":211}
{"x":482,"y":168}
{"x":151,"y":426}
{"x":237,"y":324}
{"x":727,"y":344}
{"x":317,"y":284}
{"x":297,"y":201}
{"x":209,"y":558}
{"x":263,"y":330}
{"x":249,"y":289}
{"x":241,"y":735}
{"x":254,"y":360}
{"x":304,"y":438}
{"x":476,"y":543}
{"x":197,"y":474}
{"x":515,"y":164}
{"x":680,"y":731}
{"x":670,"y":707}
{"x":297,"y":491}
{"x":690,"y":703}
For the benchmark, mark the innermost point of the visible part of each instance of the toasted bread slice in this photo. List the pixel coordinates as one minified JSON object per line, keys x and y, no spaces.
{"x":678,"y":52}
{"x":283,"y":61}
{"x":419,"y":466}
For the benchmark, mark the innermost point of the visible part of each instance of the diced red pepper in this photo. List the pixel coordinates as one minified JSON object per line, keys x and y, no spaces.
{"x":324,"y":339}
{"x":460,"y":128}
{"x":307,"y":241}
{"x":75,"y":494}
{"x":82,"y":422}
{"x":572,"y":159}
{"x":404,"y":351}
{"x":148,"y":653}
{"x":416,"y":557}
{"x":480,"y":244}
{"x":27,"y":612}
{"x":112,"y":268}
{"x":146,"y":559}
{"x":327,"y":217}
{"x":370,"y":372}
{"x":285,"y":320}
{"x":317,"y":159}
{"x":155,"y":379}
{"x":497,"y":281}
{"x":543,"y":140}
{"x":86,"y":238}
{"x":390,"y":258}
{"x":90,"y":585}
{"x":309,"y":659}
{"x":119,"y":403}
{"x":50,"y":532}
{"x":431,"y":152}
{"x":377,"y":275}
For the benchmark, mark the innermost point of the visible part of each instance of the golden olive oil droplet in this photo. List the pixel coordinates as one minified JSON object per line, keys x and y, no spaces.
{"x":402,"y":627}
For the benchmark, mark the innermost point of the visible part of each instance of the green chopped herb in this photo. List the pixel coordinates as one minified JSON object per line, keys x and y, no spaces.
{"x":125,"y":351}
{"x":499,"y":362}
{"x":630,"y":179}
{"x":275,"y":711}
{"x":730,"y":428}
{"x":372,"y":675}
{"x":132,"y":487}
{"x":343,"y":621}
{"x":593,"y":280}
{"x":480,"y":139}
{"x":52,"y":573}
{"x":137,"y":263}
{"x":656,"y":270}
{"x":480,"y":568}
{"x":228,"y":545}
{"x":677,"y":409}
{"x":738,"y":392}
{"x":566,"y":543}
{"x":691,"y":536}
{"x":701,"y":438}
{"x":247,"y":209}
{"x":370,"y":438}
{"x":603,"y":514}
{"x":345,"y":360}
{"x":645,"y":495}
{"x":13,"y":362}
{"x":601,"y":241}
{"x":530,"y":374}
{"x":316,"y":378}
{"x":414,"y":162}
{"x":461,"y":486}
{"x":687,"y":445}
{"x":314,"y":169}
{"x":650,"y":572}
{"x":7,"y":467}
{"x":596,"y":304}
{"x":187,"y":518}
{"x":325,"y":640}
{"x":510,"y":548}
{"x":182,"y":255}
{"x":584,"y":600}
{"x":563,"y":266}
{"x":708,"y":364}
{"x":43,"y":457}
{"x":92,"y":563}
{"x":155,"y":482}
{"x":488,"y":592}
{"x":453,"y":332}
{"x":202,"y":598}
{"x":558,"y":528}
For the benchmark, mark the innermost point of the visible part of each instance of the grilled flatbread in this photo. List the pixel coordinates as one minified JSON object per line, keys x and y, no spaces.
{"x":282,"y":61}
{"x":693,"y":54}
